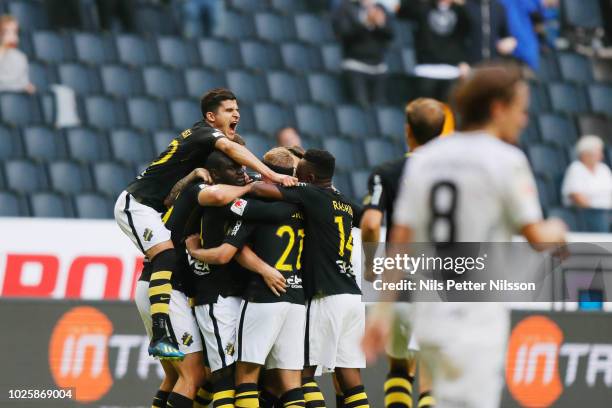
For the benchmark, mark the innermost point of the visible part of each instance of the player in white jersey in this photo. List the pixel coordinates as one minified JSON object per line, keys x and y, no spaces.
{"x":472,"y":187}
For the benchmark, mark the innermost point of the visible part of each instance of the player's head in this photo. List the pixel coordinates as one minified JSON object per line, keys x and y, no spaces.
{"x":317,"y":167}
{"x":220,"y":110}
{"x":288,"y":136}
{"x":224,"y":170}
{"x":298,"y":153}
{"x":9,"y":31}
{"x":424,"y":121}
{"x":589,"y":150}
{"x":493,"y":97}
{"x":280,"y":160}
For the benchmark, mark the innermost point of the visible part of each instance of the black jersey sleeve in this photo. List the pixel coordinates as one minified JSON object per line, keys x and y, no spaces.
{"x":239,"y":233}
{"x":269,"y":212}
{"x":376,"y":198}
{"x":177,"y":216}
{"x":205,"y":137}
{"x":296,"y":194}
{"x":358,"y":210}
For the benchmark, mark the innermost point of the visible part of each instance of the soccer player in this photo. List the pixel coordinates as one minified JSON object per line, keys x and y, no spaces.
{"x":475,"y":186}
{"x":270,"y":331}
{"x":425,"y":120}
{"x":335,"y":315}
{"x":139,"y":208}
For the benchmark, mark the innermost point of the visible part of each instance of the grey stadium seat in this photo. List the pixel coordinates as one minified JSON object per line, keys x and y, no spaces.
{"x":287,"y":88}
{"x":104,"y":112}
{"x":69,"y":177}
{"x":24,"y":176}
{"x":178,"y":52}
{"x":200,"y":81}
{"x":148,"y":114}
{"x":12,"y":205}
{"x":91,"y":205}
{"x":112,"y":178}
{"x":81,"y":78}
{"x":94,"y":48}
{"x":163,"y":82}
{"x":50,"y":205}
{"x":138,"y":51}
{"x":271,"y":117}
{"x":260,"y":56}
{"x":87,"y":145}
{"x":131,"y":147}
{"x":185,"y":112}
{"x":120,"y":80}
{"x":43,"y":143}
{"x":20,"y":109}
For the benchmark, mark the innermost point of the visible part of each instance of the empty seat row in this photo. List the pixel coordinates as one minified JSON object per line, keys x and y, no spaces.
{"x":563,"y":130}
{"x":574,"y":67}
{"x":50,"y":204}
{"x":571,"y":98}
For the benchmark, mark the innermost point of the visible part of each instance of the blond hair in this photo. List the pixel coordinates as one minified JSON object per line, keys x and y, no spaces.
{"x":279,"y":156}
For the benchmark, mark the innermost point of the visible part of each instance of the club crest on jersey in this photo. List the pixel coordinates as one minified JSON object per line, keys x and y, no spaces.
{"x":229,"y":349}
{"x":147,"y":235}
{"x":238,"y":206}
{"x":187,"y":339}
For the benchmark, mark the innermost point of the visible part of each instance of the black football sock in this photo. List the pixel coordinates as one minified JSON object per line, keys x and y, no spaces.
{"x":160,"y":290}
{"x":398,"y":390}
{"x":159,"y":401}
{"x":204,"y":396}
{"x":312,"y":393}
{"x":339,"y":400}
{"x":293,"y":398}
{"x":223,"y":392}
{"x":356,"y":397}
{"x":247,"y":396}
{"x":179,"y":401}
{"x":267,"y":399}
{"x":426,"y":400}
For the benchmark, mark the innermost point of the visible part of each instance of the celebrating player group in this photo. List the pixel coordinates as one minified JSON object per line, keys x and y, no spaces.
{"x":249,"y":289}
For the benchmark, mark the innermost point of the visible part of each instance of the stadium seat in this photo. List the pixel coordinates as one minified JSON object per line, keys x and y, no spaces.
{"x":568,"y":215}
{"x":274,"y":27}
{"x":546,"y":161}
{"x":342,"y":183}
{"x":10,"y":144}
{"x":12,"y":205}
{"x":270,"y":117}
{"x":258,"y":145}
{"x":51,"y":47}
{"x":356,"y":122}
{"x":575,"y":67}
{"x":199,"y":81}
{"x":530,"y":135}
{"x":20,"y":109}
{"x":332,"y":57}
{"x":568,"y":98}
{"x":87,"y":145}
{"x":249,"y":87}
{"x":391,"y":122}
{"x":547,"y":193}
{"x":81,"y":78}
{"x":249,"y":6}
{"x":590,"y":124}
{"x":237,"y":26}
{"x":602,"y":70}
{"x":539,"y":101}
{"x":315,"y":121}
{"x":50,"y":205}
{"x":404,"y":33}
{"x":122,"y":81}
{"x":135,"y":50}
{"x":42,"y":75}
{"x":104,"y":112}
{"x":301,"y":58}
{"x":220,"y":54}
{"x":185,"y":112}
{"x":326,"y":89}
{"x":549,"y":70}
{"x":286,"y":88}
{"x":156,"y":18}
{"x":130,"y":147}
{"x":378,"y":151}
{"x":43,"y":143}
{"x":24,"y":176}
{"x":94,"y":48}
{"x":91,"y":205}
{"x":359,"y":183}
{"x":112,"y":178}
{"x":581,"y":13}
{"x":311,"y":142}
{"x":260,"y":56}
{"x":600,"y":97}
{"x":247,"y":118}
{"x":314,"y":29}
{"x":163,"y":83}
{"x":148,"y":114}
{"x":348,"y":154}
{"x":557,"y":130}
{"x":162,"y":138}
{"x":69,"y":177}
{"x":178,"y":52}
{"x":30,"y":14}
{"x":289,"y":6}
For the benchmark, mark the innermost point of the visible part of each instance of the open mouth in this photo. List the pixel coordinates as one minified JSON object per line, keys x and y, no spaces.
{"x":233,"y":126}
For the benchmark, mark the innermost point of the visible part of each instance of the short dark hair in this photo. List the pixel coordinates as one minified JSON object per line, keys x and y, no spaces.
{"x":212,"y":99}
{"x":487,"y":83}
{"x":218,"y":161}
{"x":297,"y":151}
{"x":322,"y":163}
{"x":425,"y":116}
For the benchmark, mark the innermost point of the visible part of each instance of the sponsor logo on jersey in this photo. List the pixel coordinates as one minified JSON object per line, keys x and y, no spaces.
{"x":295,"y":282}
{"x":238,"y":206}
{"x":186,"y":133}
{"x":236,"y":228}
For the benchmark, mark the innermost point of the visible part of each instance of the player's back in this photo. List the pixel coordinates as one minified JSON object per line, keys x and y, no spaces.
{"x":470,"y":187}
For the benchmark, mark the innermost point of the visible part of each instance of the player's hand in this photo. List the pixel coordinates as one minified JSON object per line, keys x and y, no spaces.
{"x":192,"y":243}
{"x":285,"y":180}
{"x":378,"y":327}
{"x":275,"y":281}
{"x":203,"y":174}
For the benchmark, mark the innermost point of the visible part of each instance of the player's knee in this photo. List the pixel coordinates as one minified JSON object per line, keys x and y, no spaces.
{"x":164,"y":261}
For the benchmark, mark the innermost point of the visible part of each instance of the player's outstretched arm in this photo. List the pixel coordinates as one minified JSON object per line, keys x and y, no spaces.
{"x":544,"y":235}
{"x":214,"y":256}
{"x":180,"y":185}
{"x":243,"y":156}
{"x":221,"y":194}
{"x":273,"y":278}
{"x":266,"y":190}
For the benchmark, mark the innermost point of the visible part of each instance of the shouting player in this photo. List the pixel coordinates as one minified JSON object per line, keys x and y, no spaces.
{"x":335,"y":314}
{"x":425,"y":119}
{"x":480,"y":186}
{"x":139,"y":208}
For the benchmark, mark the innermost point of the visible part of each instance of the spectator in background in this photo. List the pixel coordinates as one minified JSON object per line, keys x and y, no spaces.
{"x":288,"y":137}
{"x":365,"y":34}
{"x":201,"y":17}
{"x":490,"y":37}
{"x":441,"y":43}
{"x":587,"y":184}
{"x":14,"y":75}
{"x":521,"y":16}
{"x":116,"y":15}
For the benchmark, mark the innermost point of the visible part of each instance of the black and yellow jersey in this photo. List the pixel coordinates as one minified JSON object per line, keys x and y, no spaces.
{"x":329,"y":216}
{"x":185,"y":152}
{"x":280,"y":245}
